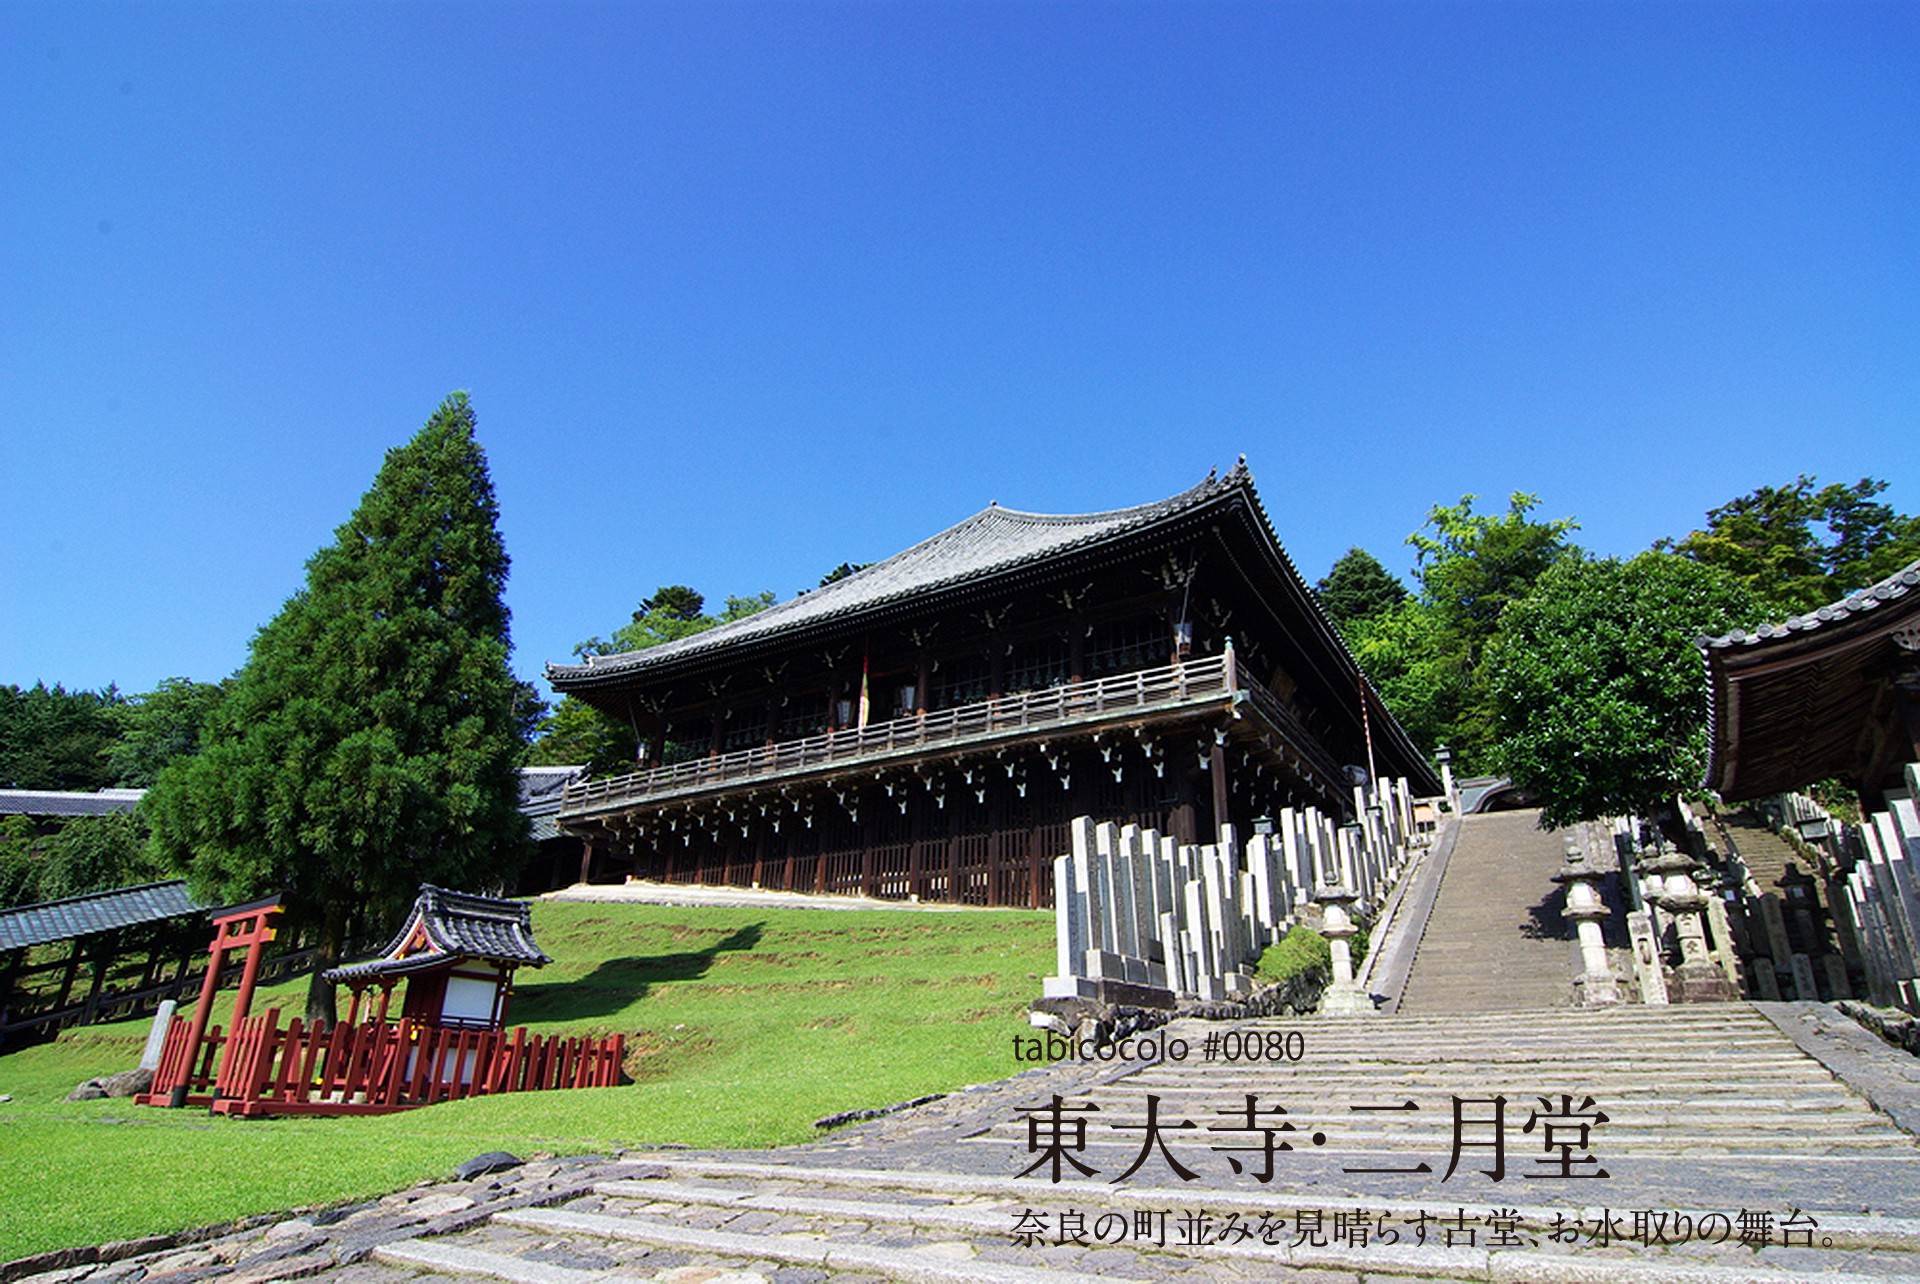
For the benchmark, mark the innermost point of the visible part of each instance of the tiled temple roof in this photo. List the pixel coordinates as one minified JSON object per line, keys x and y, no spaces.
{"x":455,"y":925}
{"x":541,"y":789}
{"x":991,"y":542}
{"x":1788,"y":703}
{"x":77,"y":916}
{"x":1900,"y":584}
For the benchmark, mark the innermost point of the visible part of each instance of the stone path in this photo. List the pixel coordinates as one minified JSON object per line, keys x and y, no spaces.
{"x":1496,"y":941}
{"x":1712,"y":1113}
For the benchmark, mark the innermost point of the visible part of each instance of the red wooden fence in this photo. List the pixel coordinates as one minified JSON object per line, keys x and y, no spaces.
{"x":374,"y":1067}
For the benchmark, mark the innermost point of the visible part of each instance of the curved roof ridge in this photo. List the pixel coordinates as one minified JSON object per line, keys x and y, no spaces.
{"x":991,"y":540}
{"x":1897,"y":585}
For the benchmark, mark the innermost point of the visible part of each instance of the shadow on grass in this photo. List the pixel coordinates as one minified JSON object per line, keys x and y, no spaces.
{"x":616,"y":983}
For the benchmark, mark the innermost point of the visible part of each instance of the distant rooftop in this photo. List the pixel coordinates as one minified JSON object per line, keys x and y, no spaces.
{"x":96,"y":912}
{"x":56,"y":802}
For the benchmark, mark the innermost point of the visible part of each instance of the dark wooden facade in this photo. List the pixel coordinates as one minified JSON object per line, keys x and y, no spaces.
{"x":1833,"y":694}
{"x":927,"y":727}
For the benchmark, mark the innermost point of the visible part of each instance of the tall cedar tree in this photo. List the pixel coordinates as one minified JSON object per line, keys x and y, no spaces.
{"x":1358,"y":588}
{"x":369,"y":743}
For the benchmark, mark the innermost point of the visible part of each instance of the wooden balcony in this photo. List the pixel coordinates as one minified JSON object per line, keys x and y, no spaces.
{"x":1214,"y":685}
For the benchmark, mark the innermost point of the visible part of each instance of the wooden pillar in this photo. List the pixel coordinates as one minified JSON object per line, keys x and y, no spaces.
{"x":1076,"y":647}
{"x":249,"y":976}
{"x":201,"y":1011}
{"x":1183,"y":823}
{"x":9,"y":971}
{"x":72,"y":974}
{"x":998,"y":822}
{"x":922,"y":683}
{"x":867,"y":880}
{"x":1036,"y":861}
{"x":917,"y":820}
{"x":104,"y":948}
{"x":586,"y":860}
{"x":1217,"y":768}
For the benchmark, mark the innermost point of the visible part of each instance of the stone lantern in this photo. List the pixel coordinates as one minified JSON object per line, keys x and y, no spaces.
{"x":1585,"y":910}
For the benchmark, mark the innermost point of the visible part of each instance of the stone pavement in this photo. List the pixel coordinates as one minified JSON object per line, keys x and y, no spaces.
{"x":1714,"y":1115}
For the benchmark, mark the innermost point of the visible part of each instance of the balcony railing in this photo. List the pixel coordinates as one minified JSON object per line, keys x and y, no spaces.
{"x":1008,"y":717}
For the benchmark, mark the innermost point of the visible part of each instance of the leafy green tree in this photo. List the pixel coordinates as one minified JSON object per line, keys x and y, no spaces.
{"x":841,"y":572}
{"x":1768,"y":541}
{"x":160,"y":726}
{"x":575,"y":733}
{"x":1421,"y":672}
{"x":1597,"y":685}
{"x":1358,"y":588}
{"x":52,"y":738}
{"x":1426,"y":653}
{"x":674,"y":602}
{"x":80,"y":855}
{"x":369,"y":744}
{"x":1472,"y":564}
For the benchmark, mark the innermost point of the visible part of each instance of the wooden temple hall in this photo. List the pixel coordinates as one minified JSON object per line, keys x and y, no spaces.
{"x":926,"y":727}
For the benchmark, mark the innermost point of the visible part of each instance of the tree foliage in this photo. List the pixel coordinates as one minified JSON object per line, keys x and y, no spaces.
{"x":841,"y":572}
{"x":1472,"y":565}
{"x":41,"y":862}
{"x":1801,"y":546}
{"x":1597,"y":685}
{"x":52,"y":738}
{"x":575,"y":733}
{"x":1358,"y":588}
{"x":369,"y":744}
{"x":1421,"y":673}
{"x":1425,"y":654}
{"x":159,"y":727}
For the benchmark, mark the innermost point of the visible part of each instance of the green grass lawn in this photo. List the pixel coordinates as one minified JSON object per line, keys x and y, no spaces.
{"x":742,"y":1025}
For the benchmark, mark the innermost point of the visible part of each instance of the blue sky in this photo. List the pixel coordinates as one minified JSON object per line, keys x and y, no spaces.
{"x":744,"y":291}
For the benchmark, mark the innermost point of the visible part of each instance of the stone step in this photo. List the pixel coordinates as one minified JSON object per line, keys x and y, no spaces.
{"x":917,"y":1264}
{"x":755,"y":1185}
{"x":444,"y":1258}
{"x":822,"y":1218}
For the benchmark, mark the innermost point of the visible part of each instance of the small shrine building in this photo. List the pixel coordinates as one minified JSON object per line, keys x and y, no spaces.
{"x":457,"y":952}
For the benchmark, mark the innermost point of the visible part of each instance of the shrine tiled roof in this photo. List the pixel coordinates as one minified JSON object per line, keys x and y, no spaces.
{"x":59,"y":802}
{"x":77,"y":916}
{"x":991,"y":542}
{"x":1855,"y":606}
{"x":454,"y":925}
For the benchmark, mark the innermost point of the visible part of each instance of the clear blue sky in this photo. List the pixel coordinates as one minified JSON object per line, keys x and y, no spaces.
{"x":743,"y":291}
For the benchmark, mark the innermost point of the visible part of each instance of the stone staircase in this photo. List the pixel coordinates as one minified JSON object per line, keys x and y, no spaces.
{"x":1715,"y":1119}
{"x":1495,"y":941}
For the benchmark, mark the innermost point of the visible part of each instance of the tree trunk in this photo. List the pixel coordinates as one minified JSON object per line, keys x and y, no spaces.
{"x":333,"y":933}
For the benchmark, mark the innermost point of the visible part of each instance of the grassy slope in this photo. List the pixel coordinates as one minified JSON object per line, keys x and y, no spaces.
{"x":743,"y":1027}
